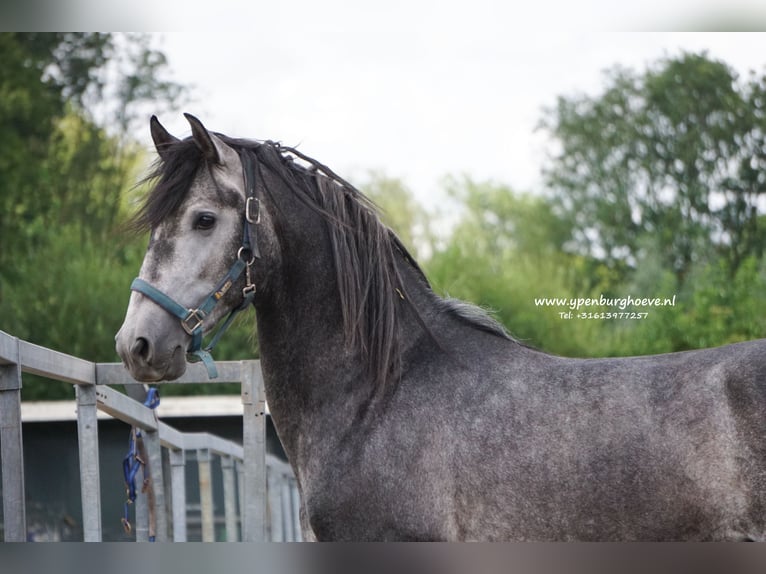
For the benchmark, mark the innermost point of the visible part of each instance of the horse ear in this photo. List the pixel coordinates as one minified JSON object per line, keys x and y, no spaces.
{"x":207,"y":142}
{"x":161,"y":137}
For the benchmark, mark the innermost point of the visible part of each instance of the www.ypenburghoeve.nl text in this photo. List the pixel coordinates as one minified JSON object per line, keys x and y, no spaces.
{"x":622,"y":303}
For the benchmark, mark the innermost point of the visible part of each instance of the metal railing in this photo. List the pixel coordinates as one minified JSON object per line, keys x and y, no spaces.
{"x":259,"y":490}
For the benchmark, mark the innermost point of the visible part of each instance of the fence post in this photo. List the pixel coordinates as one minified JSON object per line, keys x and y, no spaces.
{"x":229,"y":498}
{"x":239,"y":465}
{"x":178,"y":493}
{"x":90,"y":480}
{"x":141,"y":526}
{"x":154,"y":452}
{"x":296,"y":507}
{"x":275,"y":506}
{"x":12,"y":450}
{"x":254,"y":445}
{"x":287,"y":511}
{"x":206,"y":495}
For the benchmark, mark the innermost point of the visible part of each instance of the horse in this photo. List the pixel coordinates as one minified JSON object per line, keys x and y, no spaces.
{"x":408,"y":416}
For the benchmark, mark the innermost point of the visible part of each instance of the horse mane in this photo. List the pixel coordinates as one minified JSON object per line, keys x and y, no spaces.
{"x":364,"y":250}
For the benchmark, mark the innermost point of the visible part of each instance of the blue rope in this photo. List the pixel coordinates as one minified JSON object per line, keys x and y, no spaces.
{"x":132,"y":462}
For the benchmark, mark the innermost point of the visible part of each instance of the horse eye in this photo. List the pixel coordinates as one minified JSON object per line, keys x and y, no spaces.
{"x":204,"y":221}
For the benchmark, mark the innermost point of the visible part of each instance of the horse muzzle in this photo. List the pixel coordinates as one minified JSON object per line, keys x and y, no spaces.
{"x":149,"y":358}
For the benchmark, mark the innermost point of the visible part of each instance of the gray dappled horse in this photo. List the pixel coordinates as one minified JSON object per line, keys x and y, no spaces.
{"x":406,"y":416}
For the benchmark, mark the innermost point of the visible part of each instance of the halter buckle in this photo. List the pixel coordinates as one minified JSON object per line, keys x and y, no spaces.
{"x":194,"y":315}
{"x":248,"y":213}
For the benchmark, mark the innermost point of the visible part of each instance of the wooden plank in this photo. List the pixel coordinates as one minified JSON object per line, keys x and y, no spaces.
{"x":90,"y":481}
{"x":116,"y":374}
{"x":125,"y":409}
{"x":54,"y":365}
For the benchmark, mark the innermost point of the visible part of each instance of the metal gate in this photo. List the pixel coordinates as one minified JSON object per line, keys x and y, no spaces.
{"x":260,"y":492}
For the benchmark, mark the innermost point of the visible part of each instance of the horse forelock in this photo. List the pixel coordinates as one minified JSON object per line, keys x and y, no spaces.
{"x":170,"y":181}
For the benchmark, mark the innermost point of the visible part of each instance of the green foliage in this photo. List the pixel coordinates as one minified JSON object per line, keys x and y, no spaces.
{"x":676,"y":153}
{"x":72,"y":299}
{"x":142,"y":76}
{"x":506,"y":251}
{"x":64,"y":270}
{"x":722,"y":309}
{"x":399,"y":211}
{"x":509,"y":249}
{"x":58,"y":165}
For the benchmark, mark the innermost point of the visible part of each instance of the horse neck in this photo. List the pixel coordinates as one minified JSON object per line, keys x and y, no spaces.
{"x":315,"y":384}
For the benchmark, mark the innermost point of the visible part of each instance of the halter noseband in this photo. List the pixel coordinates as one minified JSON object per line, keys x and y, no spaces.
{"x":192,"y":318}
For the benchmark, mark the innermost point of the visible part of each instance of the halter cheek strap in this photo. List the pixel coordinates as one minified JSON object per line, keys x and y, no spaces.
{"x":192,"y":319}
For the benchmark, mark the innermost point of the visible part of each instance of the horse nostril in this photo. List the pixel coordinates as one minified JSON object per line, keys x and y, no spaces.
{"x":141,"y":349}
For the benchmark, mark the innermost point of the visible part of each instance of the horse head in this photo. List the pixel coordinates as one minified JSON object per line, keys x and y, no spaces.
{"x":203,"y":215}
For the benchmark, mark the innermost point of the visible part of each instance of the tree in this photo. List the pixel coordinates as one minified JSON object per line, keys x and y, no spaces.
{"x":507,"y":250}
{"x":64,"y":269}
{"x":399,"y":210}
{"x":56,"y":161}
{"x":677,"y":153}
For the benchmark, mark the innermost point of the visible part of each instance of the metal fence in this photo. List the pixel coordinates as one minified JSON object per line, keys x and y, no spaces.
{"x":260,"y":493}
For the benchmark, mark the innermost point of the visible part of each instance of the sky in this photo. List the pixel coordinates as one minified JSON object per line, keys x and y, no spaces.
{"x":415,"y":89}
{"x":462,"y":95}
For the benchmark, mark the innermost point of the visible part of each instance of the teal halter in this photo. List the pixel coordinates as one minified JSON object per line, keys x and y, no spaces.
{"x":192,"y":318}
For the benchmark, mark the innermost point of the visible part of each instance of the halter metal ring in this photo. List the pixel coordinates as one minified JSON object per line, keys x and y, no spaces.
{"x":244,"y":249}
